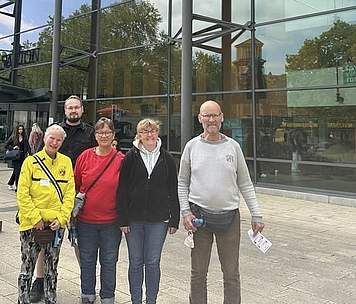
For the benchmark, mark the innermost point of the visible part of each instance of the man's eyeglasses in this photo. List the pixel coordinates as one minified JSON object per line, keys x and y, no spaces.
{"x":145,"y":132}
{"x":73,"y":108}
{"x":104,"y":134}
{"x":210,"y":115}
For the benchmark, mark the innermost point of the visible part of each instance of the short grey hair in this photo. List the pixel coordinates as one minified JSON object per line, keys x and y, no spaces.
{"x":56,"y":128}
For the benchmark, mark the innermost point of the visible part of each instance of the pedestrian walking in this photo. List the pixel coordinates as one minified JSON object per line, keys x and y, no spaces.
{"x":17,"y":141}
{"x":35,"y":139}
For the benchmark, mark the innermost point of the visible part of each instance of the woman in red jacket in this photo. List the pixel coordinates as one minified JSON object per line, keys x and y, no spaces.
{"x":98,"y":229}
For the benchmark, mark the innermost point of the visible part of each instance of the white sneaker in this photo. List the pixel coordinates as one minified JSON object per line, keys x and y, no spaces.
{"x":11,"y":187}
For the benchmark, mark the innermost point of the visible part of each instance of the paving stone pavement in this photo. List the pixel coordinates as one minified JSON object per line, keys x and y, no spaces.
{"x":312,"y":260}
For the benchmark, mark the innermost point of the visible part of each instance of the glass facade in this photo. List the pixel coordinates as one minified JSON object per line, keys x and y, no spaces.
{"x":295,"y":119}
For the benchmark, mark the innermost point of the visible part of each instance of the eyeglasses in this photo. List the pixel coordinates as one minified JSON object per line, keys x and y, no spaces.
{"x":210,"y":115}
{"x":145,"y":132}
{"x":103,"y":134}
{"x":73,"y":108}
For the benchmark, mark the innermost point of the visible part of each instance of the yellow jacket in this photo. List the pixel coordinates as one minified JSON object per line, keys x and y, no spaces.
{"x":37,"y":198}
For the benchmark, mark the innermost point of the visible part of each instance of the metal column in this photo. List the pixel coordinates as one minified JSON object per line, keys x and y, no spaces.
{"x":186,"y":101}
{"x":169,"y":72}
{"x":16,"y":43}
{"x":93,"y":60}
{"x":253,"y":87}
{"x":55,"y":60}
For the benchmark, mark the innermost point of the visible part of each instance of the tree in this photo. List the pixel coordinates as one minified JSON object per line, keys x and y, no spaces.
{"x":333,"y":47}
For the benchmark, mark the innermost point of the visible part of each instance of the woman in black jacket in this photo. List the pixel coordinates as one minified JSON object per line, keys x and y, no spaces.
{"x":17,"y":141}
{"x":148,"y":207}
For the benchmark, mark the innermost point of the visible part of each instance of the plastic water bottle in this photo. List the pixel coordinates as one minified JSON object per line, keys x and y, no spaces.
{"x":57,"y":239}
{"x":198,"y":222}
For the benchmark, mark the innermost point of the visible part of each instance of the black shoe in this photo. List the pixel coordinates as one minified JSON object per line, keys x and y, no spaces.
{"x":37,"y":291}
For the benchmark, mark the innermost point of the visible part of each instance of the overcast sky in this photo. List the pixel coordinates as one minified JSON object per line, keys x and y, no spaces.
{"x":278,"y":40}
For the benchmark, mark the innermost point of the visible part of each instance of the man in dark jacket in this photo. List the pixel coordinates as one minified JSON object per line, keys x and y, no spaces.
{"x":80,"y":136}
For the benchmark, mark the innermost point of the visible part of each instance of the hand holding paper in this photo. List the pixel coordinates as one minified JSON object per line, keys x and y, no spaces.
{"x":260,"y":241}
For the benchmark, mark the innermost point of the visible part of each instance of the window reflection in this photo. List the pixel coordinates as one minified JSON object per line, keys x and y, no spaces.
{"x":128,"y":112}
{"x":314,"y":54}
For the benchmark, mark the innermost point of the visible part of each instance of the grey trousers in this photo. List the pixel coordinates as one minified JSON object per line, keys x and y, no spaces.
{"x":29,"y":253}
{"x":228,"y":246}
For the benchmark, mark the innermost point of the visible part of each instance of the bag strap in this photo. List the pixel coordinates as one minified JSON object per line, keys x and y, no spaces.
{"x":101,"y":173}
{"x":50,"y":176}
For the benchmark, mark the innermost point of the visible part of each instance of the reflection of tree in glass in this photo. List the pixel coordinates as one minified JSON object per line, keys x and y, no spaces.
{"x":207,"y":72}
{"x":324,"y":51}
{"x":121,"y":26}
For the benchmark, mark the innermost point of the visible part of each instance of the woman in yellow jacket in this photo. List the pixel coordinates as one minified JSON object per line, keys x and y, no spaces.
{"x":40,"y":207}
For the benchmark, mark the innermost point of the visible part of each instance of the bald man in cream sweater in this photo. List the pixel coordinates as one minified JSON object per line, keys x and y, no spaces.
{"x":212,"y":173}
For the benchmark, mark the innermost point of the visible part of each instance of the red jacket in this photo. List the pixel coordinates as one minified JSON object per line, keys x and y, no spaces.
{"x":100,"y":200}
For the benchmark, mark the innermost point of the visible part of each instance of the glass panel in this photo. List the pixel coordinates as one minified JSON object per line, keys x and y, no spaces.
{"x":36,"y":46}
{"x":241,"y":11}
{"x":75,"y":36}
{"x":279,"y":9}
{"x":176,"y":16}
{"x":34,"y":77}
{"x":133,"y":25}
{"x":128,"y":112}
{"x":206,"y":71}
{"x":317,"y":177}
{"x":210,"y":8}
{"x":307,"y":52}
{"x":70,"y":7}
{"x":35,"y":13}
{"x":237,"y":123}
{"x":303,"y":140}
{"x":73,"y":80}
{"x":212,"y":73}
{"x":133,"y":73}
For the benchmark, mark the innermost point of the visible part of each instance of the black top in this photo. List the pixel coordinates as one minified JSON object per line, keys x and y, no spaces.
{"x":79,"y":138}
{"x":23,"y":145}
{"x":148,"y":199}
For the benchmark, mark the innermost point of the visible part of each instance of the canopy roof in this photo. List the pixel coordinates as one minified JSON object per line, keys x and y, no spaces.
{"x":14,"y":94}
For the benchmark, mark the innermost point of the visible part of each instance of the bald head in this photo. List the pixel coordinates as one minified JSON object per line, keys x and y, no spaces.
{"x":210,"y":106}
{"x":211,"y":117}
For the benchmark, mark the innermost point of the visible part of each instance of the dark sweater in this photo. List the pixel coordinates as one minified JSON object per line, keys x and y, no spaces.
{"x":79,"y":138}
{"x":148,"y":199}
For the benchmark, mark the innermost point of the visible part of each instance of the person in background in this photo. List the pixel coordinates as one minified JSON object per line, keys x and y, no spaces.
{"x":80,"y":136}
{"x":147,"y":203}
{"x":39,"y":206}
{"x":35,"y":139}
{"x":212,"y":173}
{"x":18,"y":140}
{"x":97,"y":173}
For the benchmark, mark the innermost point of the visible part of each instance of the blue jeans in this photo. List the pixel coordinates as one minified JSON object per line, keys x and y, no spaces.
{"x":145,"y":242}
{"x":105,"y":239}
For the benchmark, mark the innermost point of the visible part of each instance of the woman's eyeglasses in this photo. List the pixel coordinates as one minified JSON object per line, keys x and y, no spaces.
{"x":104,"y":134}
{"x":145,"y":132}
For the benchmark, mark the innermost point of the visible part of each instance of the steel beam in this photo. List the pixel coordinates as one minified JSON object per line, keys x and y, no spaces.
{"x":16,"y":43}
{"x":253,"y":87}
{"x":55,"y":60}
{"x":93,"y":60}
{"x":186,"y":99}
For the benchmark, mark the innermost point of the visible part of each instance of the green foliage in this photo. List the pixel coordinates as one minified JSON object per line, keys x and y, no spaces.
{"x":331,"y":48}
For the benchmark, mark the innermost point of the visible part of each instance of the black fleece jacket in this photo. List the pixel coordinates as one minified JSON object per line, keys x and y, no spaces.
{"x":141,"y":198}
